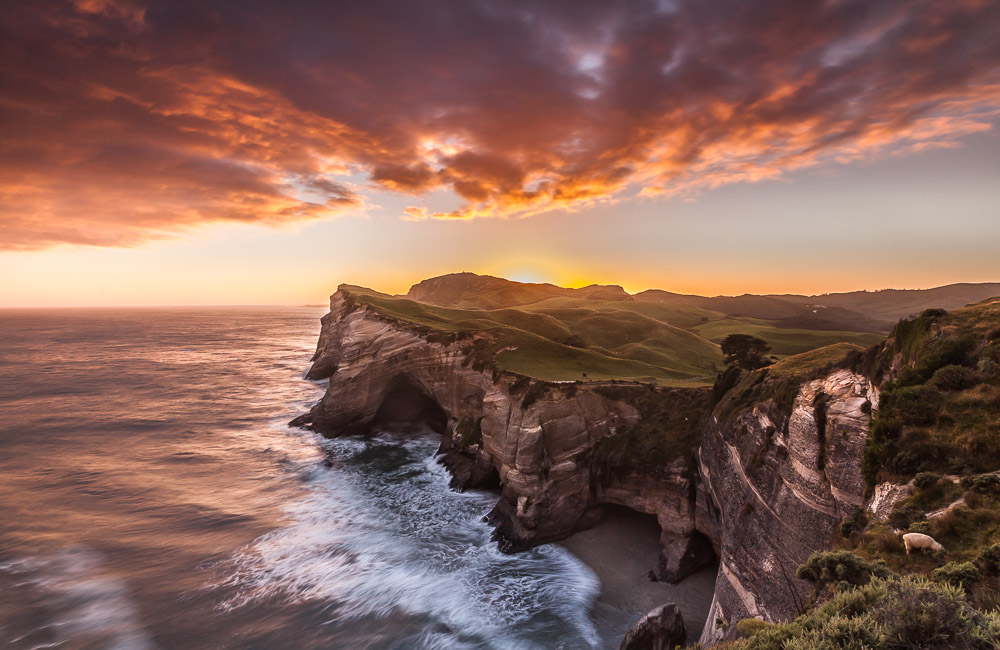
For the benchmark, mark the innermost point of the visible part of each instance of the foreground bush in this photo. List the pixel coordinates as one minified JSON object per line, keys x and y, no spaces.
{"x":885,"y":614}
{"x":960,"y":574}
{"x":836,"y":567}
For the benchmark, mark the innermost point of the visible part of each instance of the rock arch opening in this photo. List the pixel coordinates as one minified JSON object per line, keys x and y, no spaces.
{"x":407,"y":404}
{"x":624,"y":549}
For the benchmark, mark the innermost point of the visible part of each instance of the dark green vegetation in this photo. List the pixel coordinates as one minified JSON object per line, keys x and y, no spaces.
{"x":938,"y":423}
{"x":745,"y":352}
{"x":939,"y":409}
{"x":670,"y":426}
{"x":883,"y":613}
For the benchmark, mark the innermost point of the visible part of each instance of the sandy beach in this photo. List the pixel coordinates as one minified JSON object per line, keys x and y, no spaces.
{"x":621,"y":550}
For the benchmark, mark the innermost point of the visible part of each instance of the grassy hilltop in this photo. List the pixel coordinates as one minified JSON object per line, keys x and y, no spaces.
{"x":557,"y":334}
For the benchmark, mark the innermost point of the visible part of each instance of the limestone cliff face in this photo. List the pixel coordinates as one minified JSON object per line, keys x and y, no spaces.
{"x":778,"y":468}
{"x":782,"y":482}
{"x":532,"y":439}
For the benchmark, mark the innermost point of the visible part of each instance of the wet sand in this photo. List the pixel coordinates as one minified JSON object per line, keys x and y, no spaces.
{"x":621,"y":550}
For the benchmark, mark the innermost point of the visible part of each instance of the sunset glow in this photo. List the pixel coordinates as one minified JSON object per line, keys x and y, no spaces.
{"x":183,"y":153}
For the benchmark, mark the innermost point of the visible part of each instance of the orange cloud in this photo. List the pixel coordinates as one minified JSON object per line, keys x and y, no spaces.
{"x":126,"y":120}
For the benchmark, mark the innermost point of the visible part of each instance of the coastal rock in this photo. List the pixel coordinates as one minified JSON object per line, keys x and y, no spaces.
{"x":660,"y":629}
{"x":532,"y":439}
{"x":782,"y":483}
{"x":772,"y":478}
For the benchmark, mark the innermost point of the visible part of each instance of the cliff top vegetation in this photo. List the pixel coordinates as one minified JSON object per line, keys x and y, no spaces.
{"x":589,"y":337}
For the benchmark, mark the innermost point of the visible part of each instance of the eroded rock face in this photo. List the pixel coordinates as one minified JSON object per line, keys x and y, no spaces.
{"x":767,"y":487}
{"x":782,"y":484}
{"x":660,"y":629}
{"x":535,"y":449}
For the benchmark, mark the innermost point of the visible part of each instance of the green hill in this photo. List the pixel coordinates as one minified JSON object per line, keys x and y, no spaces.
{"x":560,"y":334}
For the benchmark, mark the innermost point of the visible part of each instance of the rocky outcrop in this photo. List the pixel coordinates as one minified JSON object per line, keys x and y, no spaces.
{"x":779,"y":464}
{"x":782,"y":482}
{"x":660,"y":629}
{"x":534,"y":440}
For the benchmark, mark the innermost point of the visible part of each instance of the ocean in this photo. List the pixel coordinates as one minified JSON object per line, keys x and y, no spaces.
{"x":153,"y":496}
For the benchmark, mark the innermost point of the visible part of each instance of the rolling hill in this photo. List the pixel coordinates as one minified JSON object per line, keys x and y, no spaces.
{"x":601,"y":332}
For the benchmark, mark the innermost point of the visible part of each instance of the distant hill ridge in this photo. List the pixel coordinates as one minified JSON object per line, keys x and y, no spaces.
{"x":858,"y":311}
{"x":472,"y":291}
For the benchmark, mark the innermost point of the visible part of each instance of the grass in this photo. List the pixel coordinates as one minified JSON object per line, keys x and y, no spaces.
{"x":807,"y":362}
{"x":573,"y":346}
{"x":783,"y":342}
{"x":576,"y":339}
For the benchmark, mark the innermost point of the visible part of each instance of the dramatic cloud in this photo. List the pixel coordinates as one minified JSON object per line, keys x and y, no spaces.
{"x":126,"y":120}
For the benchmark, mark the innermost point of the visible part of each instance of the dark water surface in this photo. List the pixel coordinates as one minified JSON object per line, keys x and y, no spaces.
{"x":152,"y":496}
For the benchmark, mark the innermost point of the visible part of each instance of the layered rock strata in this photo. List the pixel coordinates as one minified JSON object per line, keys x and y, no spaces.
{"x":772,"y":478}
{"x":534,"y":440}
{"x":782,"y":483}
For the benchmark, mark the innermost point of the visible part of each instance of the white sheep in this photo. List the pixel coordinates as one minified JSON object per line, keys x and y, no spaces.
{"x":921,"y":542}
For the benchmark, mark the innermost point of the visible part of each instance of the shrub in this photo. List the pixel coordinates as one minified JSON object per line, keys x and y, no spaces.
{"x":854,"y":523}
{"x":724,"y":381}
{"x":893,"y":614}
{"x":914,"y":405}
{"x":960,"y":574}
{"x":904,"y":515}
{"x":913,"y":376}
{"x":925,"y":480}
{"x":751,"y":626}
{"x":919,"y":614}
{"x":923,"y":526}
{"x":954,"y":377}
{"x":880,"y":446}
{"x":830,"y":567}
{"x":947,"y":352}
{"x":982,"y":483}
{"x":536,"y":391}
{"x":989,"y":560}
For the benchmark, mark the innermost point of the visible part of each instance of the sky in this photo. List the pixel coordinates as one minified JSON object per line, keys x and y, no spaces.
{"x":248,"y":152}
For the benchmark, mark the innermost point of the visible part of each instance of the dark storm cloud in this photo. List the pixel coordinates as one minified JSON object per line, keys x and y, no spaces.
{"x":126,"y":120}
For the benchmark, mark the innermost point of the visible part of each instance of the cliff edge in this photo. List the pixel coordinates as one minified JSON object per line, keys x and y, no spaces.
{"x":759,"y":480}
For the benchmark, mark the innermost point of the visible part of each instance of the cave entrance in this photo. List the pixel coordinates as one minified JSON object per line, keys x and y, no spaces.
{"x":407,"y":404}
{"x":622,"y":548}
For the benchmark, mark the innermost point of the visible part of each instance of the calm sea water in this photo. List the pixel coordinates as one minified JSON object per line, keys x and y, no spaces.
{"x":151,"y":496}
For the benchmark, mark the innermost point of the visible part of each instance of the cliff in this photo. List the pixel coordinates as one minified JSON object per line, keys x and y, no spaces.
{"x":537,"y":441}
{"x":782,"y":463}
{"x":760,"y":481}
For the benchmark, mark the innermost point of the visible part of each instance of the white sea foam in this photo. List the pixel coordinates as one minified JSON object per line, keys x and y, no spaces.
{"x":87,"y":606}
{"x":381,"y":534}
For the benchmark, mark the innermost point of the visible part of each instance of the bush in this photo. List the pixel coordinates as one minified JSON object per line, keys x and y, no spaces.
{"x":854,"y":523}
{"x":830,"y":567}
{"x":887,"y":614}
{"x":919,"y":614}
{"x":947,"y":352}
{"x":881,"y":446}
{"x":989,"y":560}
{"x":925,"y":480}
{"x":751,"y":626}
{"x":914,"y":405}
{"x":954,"y":377}
{"x":904,"y":515}
{"x":959,"y":574}
{"x":982,"y":483}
